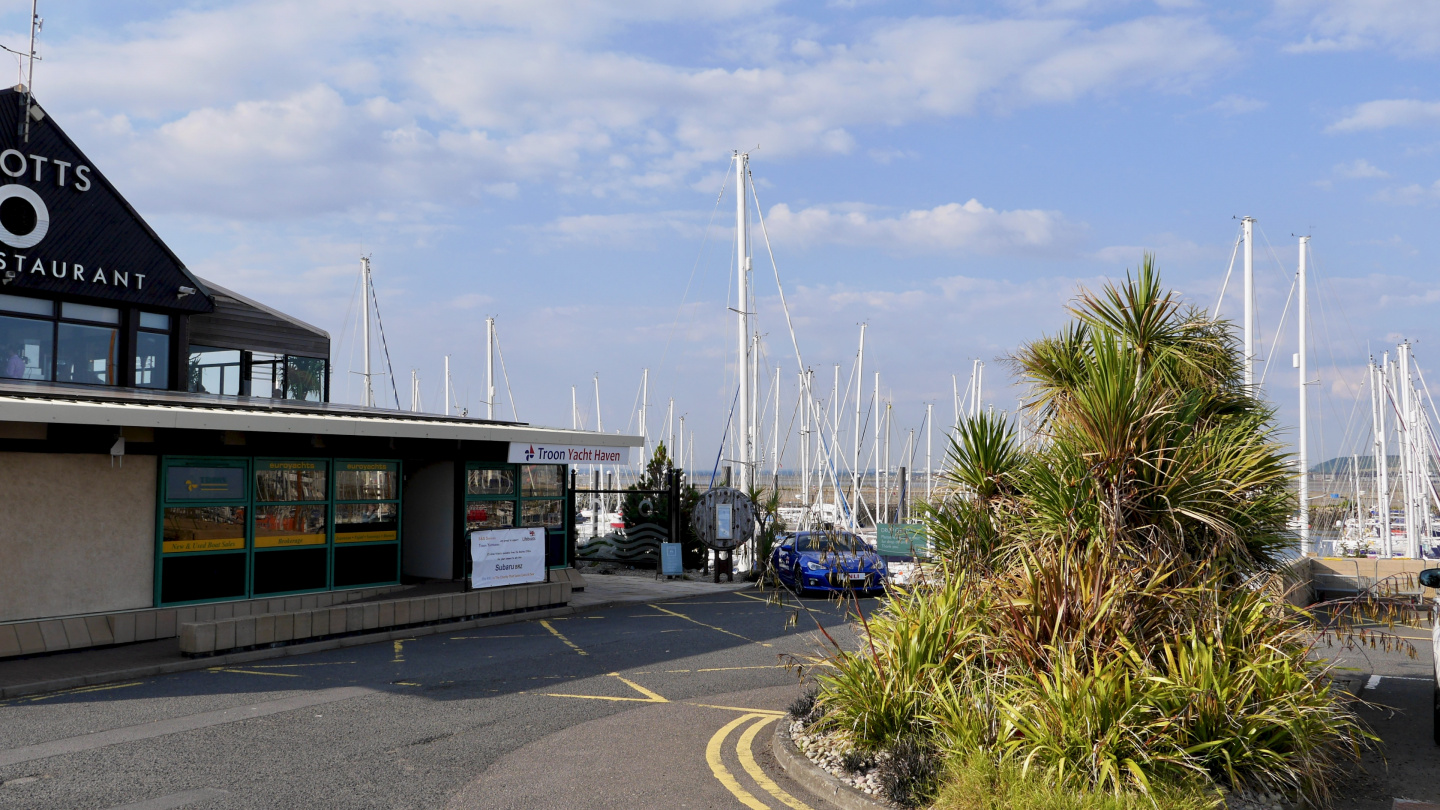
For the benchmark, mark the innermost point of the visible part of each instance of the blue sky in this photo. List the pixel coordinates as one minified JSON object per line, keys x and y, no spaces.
{"x":950,"y":173}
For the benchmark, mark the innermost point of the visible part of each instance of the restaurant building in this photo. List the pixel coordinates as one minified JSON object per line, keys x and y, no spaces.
{"x":168,"y":446}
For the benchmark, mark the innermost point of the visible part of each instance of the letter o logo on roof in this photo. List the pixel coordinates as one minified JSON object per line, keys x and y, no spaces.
{"x":5,"y":162}
{"x":24,"y":219}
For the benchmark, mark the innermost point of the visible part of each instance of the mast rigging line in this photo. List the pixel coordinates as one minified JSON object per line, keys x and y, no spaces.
{"x":378,"y":322}
{"x":699,"y":254}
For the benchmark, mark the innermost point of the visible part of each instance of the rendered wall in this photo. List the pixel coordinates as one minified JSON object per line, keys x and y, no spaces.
{"x":428,"y":535}
{"x":77,"y":535}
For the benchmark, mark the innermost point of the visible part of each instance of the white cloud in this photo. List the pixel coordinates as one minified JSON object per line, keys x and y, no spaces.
{"x":327,"y":103}
{"x":1360,"y":169}
{"x":1238,"y":105}
{"x":1386,"y":113}
{"x":1406,"y":27}
{"x":951,"y":228}
{"x":1412,"y":194}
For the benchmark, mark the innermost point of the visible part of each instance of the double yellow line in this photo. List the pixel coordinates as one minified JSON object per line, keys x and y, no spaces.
{"x":744,"y":752}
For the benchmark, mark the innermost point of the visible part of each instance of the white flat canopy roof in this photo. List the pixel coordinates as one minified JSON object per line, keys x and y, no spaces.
{"x":131,"y":408}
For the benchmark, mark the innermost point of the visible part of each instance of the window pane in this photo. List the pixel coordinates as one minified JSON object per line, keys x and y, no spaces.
{"x":290,"y":481}
{"x":85,"y":312}
{"x":152,"y":360}
{"x":366,"y":522}
{"x":542,"y":479}
{"x":489,"y":515}
{"x":86,"y":354}
{"x":214,"y":371}
{"x":359,"y":484}
{"x":25,"y":348}
{"x":304,"y":378}
{"x":203,"y":528}
{"x":287,"y":526}
{"x":30,"y":306}
{"x":490,"y":482}
{"x":542,"y":513}
{"x":152,"y":320}
{"x":265,"y":377}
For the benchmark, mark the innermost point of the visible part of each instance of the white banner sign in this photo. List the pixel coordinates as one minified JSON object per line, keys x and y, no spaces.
{"x":507,"y":557}
{"x":528,"y":453}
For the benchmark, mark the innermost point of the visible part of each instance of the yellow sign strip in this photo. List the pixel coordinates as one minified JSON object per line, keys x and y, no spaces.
{"x":364,"y":537}
{"x":650,"y":697}
{"x":289,"y":540}
{"x":711,"y":626}
{"x":746,"y":709}
{"x":568,"y":643}
{"x":747,"y":761}
{"x":218,"y":544}
{"x":717,"y":765}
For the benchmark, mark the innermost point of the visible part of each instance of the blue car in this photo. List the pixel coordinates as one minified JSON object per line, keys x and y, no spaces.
{"x":827,"y":561}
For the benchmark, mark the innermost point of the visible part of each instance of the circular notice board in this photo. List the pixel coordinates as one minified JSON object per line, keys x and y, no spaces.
{"x":724,"y":518}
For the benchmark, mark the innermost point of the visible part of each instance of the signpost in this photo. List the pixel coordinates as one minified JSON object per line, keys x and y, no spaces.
{"x":901,"y":540}
{"x":506,"y":557}
{"x":671,"y":561}
{"x":724,"y":520}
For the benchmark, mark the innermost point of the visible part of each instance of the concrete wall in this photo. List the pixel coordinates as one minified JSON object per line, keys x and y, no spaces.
{"x":77,"y":535}
{"x":428,"y":536}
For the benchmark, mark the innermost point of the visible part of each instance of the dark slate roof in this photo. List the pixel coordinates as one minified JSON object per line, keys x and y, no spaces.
{"x":242,"y":323}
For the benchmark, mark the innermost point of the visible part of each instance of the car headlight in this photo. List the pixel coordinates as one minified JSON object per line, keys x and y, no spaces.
{"x":811,"y":565}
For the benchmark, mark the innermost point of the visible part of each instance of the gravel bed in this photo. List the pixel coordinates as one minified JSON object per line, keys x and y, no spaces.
{"x":828,"y":750}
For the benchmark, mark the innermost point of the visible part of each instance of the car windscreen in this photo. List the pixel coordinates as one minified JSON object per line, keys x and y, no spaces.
{"x":839,"y":542}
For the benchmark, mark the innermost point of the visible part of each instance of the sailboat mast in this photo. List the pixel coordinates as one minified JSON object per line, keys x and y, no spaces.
{"x":447,"y":385}
{"x":489,"y":368}
{"x":1248,"y":225}
{"x":1304,"y":404}
{"x":368,"y":396}
{"x":929,"y":445}
{"x":855,"y":466}
{"x":742,"y":267}
{"x":1381,"y":451}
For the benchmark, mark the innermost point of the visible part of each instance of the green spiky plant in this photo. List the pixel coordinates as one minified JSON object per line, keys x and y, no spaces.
{"x":1110,"y":615}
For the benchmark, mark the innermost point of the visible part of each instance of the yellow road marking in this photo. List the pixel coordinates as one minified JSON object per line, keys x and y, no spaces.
{"x":81,"y":689}
{"x":747,"y":761}
{"x":650,"y":697}
{"x":717,"y":766}
{"x":746,"y":709}
{"x":405,"y":683}
{"x":572,"y":645}
{"x":729,"y":669}
{"x":253,"y":672}
{"x":711,"y":626}
{"x":458,"y":638}
{"x":750,"y":596}
{"x":400,"y":650}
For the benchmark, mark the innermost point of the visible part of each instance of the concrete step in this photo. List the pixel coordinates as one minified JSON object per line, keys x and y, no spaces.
{"x":199,"y":638}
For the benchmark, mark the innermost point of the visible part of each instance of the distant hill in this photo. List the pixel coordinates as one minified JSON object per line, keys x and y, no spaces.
{"x":1341,"y":465}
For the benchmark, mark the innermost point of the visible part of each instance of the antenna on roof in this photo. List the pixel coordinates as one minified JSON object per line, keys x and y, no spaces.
{"x":36,"y":23}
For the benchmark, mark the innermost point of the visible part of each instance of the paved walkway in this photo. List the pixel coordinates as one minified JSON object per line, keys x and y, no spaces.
{"x":602,"y":589}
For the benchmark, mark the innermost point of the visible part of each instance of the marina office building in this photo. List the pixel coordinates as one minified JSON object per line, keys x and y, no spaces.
{"x":168,"y":448}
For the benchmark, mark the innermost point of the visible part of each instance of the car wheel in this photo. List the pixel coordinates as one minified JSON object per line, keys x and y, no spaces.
{"x":799,"y":578}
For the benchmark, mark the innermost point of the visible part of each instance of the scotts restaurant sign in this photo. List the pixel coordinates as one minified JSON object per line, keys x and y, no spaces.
{"x":532,"y":453}
{"x":64,"y":230}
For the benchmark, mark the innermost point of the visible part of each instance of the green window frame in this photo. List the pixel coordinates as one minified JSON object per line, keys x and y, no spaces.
{"x":291,"y":522}
{"x":499,"y":495}
{"x":234,"y":528}
{"x":366,"y":495}
{"x":202,"y":530}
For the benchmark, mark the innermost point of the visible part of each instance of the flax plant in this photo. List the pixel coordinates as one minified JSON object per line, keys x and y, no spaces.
{"x":1109,"y":613}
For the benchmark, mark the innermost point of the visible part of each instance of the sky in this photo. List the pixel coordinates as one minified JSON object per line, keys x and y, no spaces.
{"x":950,"y":174}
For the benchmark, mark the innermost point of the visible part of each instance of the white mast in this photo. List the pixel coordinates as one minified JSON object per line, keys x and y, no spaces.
{"x":1407,"y":449}
{"x":955,"y":395}
{"x":742,"y":267}
{"x":775,"y":436}
{"x":1248,"y":225}
{"x":1304,"y":405}
{"x":489,"y":368}
{"x":670,"y":429}
{"x":599,"y":426}
{"x":680,"y":448}
{"x":644,"y":408}
{"x":929,"y":445}
{"x":447,"y":385}
{"x":1382,"y":456}
{"x":855,"y":467}
{"x":574,"y":410}
{"x":368,"y":395}
{"x":35,"y":24}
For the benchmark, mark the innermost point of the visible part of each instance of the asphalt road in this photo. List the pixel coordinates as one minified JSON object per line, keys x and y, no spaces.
{"x":661,"y":705}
